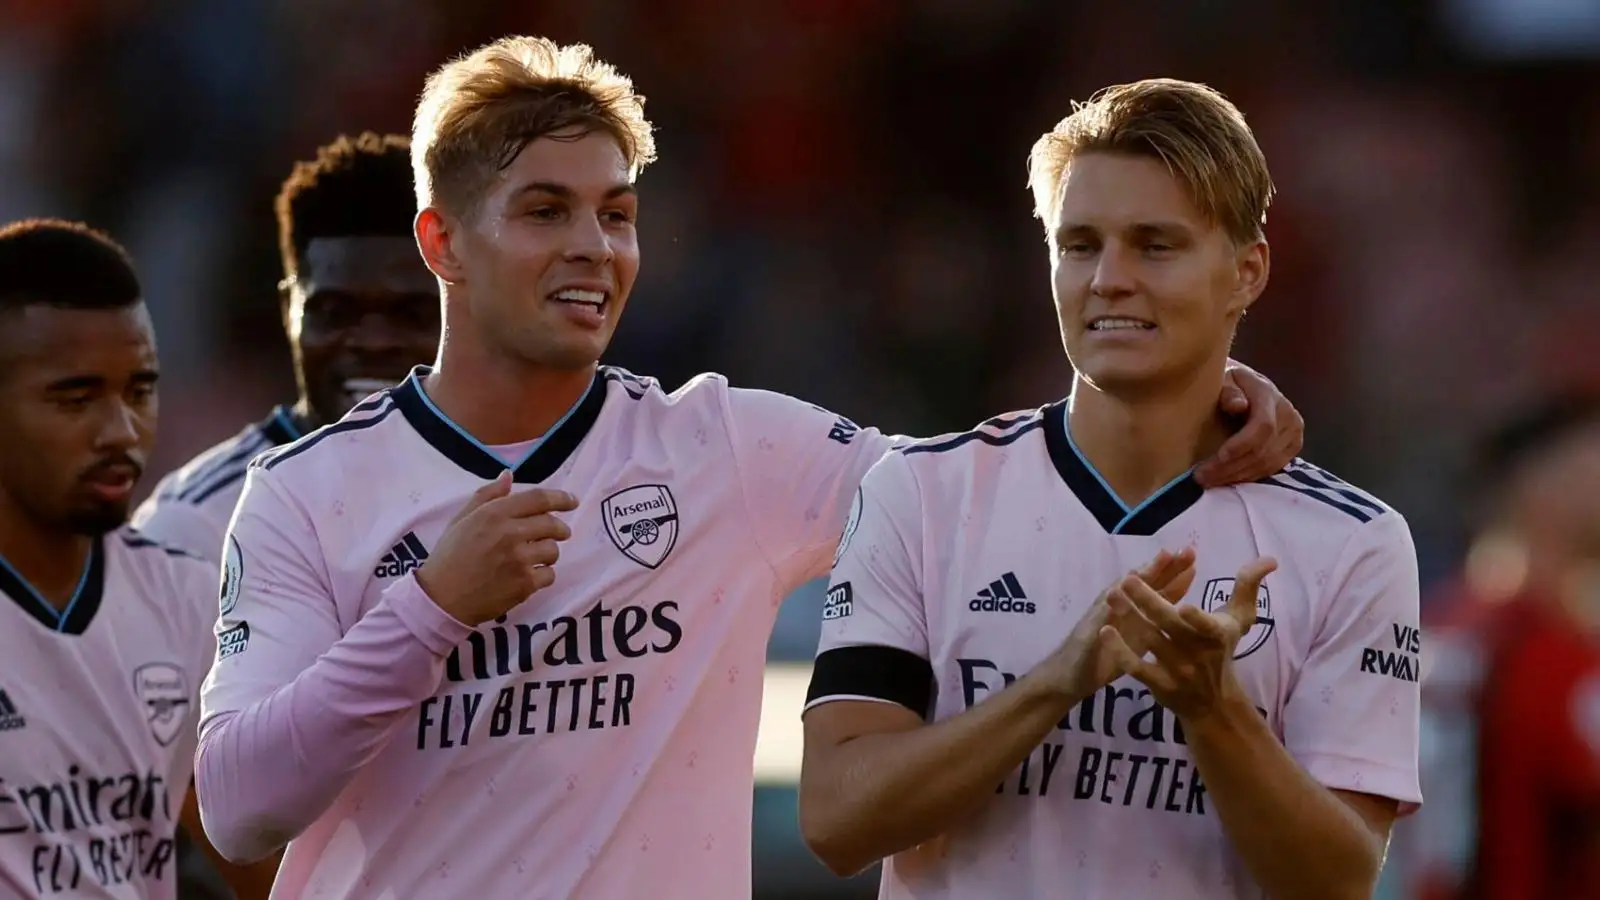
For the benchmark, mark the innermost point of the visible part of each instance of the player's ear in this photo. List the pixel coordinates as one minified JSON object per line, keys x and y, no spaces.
{"x":436,"y":233}
{"x":1254,"y":265}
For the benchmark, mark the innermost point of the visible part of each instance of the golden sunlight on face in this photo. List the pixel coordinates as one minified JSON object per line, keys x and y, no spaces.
{"x":1148,"y":292}
{"x":557,"y":249}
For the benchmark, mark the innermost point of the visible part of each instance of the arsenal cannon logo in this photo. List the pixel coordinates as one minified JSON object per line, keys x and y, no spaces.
{"x":643,"y":522}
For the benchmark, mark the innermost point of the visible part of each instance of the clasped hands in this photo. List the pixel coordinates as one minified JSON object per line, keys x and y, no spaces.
{"x":1180,"y":652}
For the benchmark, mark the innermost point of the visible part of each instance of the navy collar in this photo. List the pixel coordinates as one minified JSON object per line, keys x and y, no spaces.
{"x":543,"y":458}
{"x":1147,"y":518}
{"x":80,"y":610}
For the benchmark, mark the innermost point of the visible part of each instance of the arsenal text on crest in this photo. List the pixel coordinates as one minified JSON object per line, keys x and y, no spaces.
{"x":643,"y":522}
{"x":1219,"y":591}
{"x":163,"y":690}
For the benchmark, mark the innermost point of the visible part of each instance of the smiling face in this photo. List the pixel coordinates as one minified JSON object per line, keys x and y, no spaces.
{"x":1148,"y":291}
{"x":360,"y":313}
{"x":546,"y":260}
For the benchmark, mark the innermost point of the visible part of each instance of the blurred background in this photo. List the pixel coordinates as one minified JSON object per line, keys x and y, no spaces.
{"x":840,"y":210}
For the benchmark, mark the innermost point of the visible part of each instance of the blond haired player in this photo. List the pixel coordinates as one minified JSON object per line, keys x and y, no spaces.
{"x":385,"y":701}
{"x":980,"y":718}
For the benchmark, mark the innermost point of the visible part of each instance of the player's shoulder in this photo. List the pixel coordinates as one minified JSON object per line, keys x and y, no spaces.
{"x":217,"y":470}
{"x":1325,"y":502}
{"x":150,"y":557}
{"x":321,"y":447}
{"x":987,"y":437}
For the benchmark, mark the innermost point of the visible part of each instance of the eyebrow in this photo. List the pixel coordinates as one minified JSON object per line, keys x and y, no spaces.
{"x":89,"y":382}
{"x":557,"y":189}
{"x":1141,"y":228}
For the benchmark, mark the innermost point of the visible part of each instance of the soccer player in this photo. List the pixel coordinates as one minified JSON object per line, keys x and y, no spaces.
{"x":388,"y":699}
{"x":1538,"y":701}
{"x":359,"y":307}
{"x":105,"y":635}
{"x":968,"y":716}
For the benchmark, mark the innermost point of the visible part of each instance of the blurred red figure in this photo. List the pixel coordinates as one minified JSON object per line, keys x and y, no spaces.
{"x":1513,"y":694}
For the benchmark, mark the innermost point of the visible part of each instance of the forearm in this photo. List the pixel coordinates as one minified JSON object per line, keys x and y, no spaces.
{"x":265,"y":773}
{"x":1298,"y":839}
{"x":887,"y":792}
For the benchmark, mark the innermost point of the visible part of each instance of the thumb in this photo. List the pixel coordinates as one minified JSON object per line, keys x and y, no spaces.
{"x":1242,"y":605}
{"x":494,"y":490}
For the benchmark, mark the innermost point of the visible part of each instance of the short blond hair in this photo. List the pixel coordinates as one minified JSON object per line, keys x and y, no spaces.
{"x":478,"y":111}
{"x":1196,"y":131}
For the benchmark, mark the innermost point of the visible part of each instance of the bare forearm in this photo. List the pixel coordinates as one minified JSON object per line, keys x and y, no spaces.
{"x":1299,"y":840}
{"x":887,"y":792}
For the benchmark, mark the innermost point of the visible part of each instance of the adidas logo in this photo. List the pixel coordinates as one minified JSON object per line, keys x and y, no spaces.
{"x":10,"y":719}
{"x":401,"y":558}
{"x":1005,"y":595}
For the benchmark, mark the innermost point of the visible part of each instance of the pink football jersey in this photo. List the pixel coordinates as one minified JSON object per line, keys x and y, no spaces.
{"x":968,"y":559}
{"x":98,"y":708}
{"x":191,"y":506}
{"x":598,"y":741}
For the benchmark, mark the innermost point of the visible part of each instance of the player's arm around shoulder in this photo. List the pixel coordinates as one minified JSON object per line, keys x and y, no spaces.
{"x":798,"y":467}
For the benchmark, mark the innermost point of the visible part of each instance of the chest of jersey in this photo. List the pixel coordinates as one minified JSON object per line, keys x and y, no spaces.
{"x":1014,"y":593}
{"x":96,"y":743}
{"x":632,"y":624}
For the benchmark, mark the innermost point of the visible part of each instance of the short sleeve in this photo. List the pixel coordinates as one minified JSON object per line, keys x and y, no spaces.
{"x":1353,"y":718}
{"x":874,"y":643}
{"x":799,"y":466}
{"x":181,"y":525}
{"x":276,"y":608}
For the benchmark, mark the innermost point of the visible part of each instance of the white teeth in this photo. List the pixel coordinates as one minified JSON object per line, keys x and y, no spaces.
{"x":359,"y":389}
{"x":574,"y":295}
{"x":1117,"y":324}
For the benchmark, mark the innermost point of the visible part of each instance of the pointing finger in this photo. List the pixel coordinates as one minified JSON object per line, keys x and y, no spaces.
{"x":493,"y":490}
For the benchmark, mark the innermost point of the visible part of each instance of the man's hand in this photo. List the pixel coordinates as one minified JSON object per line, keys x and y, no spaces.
{"x":1271,"y":436}
{"x":1193,"y":649}
{"x":497,"y":551}
{"x":1082,"y":665}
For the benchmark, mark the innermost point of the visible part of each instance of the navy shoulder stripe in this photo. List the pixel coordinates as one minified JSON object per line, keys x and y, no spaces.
{"x":380,"y":403}
{"x":633,"y":385}
{"x":219,"y":473}
{"x":137,"y":540}
{"x":1312,"y":481}
{"x":996,"y":432}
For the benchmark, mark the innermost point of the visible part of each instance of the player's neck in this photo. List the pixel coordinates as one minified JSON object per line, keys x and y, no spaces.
{"x":51,"y":561}
{"x":502,"y":401}
{"x":1139,"y":445}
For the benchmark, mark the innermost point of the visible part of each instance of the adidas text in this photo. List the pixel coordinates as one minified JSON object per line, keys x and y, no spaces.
{"x":1025,"y":607}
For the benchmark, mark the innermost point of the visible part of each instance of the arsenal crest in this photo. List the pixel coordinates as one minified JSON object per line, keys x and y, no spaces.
{"x":1219,"y":591}
{"x":163,"y":690}
{"x":643,"y":522}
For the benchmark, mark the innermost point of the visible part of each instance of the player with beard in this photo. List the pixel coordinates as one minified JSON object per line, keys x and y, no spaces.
{"x":359,"y":307}
{"x":420,"y":730}
{"x":104,"y":632}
